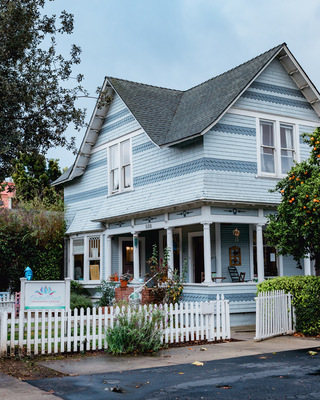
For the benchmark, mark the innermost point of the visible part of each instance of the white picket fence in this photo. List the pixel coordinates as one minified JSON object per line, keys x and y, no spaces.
{"x":274,"y":314}
{"x":7,"y":302}
{"x":58,"y":331}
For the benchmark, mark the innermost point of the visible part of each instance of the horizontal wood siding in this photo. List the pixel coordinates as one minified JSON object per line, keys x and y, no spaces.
{"x":290,"y":267}
{"x":119,"y":121}
{"x":272,"y":99}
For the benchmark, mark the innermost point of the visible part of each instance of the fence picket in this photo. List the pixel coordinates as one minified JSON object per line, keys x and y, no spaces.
{"x":274,"y":314}
{"x":54,"y":331}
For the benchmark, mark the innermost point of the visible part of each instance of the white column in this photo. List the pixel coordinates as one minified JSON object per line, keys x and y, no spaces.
{"x":218,"y":248}
{"x":136,"y":257}
{"x":260,"y":260}
{"x":307,"y":265}
{"x":170,"y":248}
{"x":207,"y":252}
{"x":108,"y":267}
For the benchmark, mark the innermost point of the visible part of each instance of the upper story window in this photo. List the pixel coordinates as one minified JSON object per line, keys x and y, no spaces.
{"x":277,"y":147}
{"x":120,"y":176}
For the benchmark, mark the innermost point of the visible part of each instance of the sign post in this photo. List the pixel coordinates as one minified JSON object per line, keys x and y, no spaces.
{"x":45,"y":295}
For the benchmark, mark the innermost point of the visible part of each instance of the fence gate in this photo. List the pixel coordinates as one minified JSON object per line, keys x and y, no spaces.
{"x":274,"y":314}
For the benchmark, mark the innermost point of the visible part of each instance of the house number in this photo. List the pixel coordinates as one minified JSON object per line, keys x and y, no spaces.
{"x":148,"y":226}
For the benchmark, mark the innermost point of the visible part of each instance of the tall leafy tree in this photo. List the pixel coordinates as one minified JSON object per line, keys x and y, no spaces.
{"x":294,"y":230}
{"x":36,"y":104}
{"x":32,"y":176}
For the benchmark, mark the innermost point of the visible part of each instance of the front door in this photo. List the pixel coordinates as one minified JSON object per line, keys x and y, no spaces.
{"x":127,"y":257}
{"x":198,"y":258}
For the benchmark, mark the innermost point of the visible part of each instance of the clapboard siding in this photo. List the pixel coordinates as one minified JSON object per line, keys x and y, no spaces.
{"x":270,"y":99}
{"x":118,"y":122}
{"x":290,"y":267}
{"x":226,"y":185}
{"x":155,"y":195}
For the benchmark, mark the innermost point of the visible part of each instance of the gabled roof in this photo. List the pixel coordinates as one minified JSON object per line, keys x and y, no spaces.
{"x":170,"y":116}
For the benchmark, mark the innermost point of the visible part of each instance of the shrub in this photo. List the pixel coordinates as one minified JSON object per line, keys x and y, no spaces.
{"x":77,"y":288}
{"x":31,"y":238}
{"x":80,"y":301}
{"x":140,"y":334}
{"x":107,"y":292}
{"x":306,"y":300}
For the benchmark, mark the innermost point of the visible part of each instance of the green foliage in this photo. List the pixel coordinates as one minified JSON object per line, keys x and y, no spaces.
{"x":107,"y":293}
{"x":36,"y":103}
{"x":294,"y":230}
{"x":306,"y":292}
{"x":33,"y":176}
{"x":77,"y":288}
{"x":80,"y":301}
{"x":140,"y":334}
{"x":166,"y":289}
{"x":30,"y":238}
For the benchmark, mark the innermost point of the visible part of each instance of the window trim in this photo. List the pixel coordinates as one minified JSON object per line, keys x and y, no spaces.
{"x":277,"y":122}
{"x":120,"y":167}
{"x":86,"y":258}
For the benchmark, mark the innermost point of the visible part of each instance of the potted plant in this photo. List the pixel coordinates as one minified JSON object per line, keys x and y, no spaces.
{"x":114,"y":277}
{"x":125,"y":278}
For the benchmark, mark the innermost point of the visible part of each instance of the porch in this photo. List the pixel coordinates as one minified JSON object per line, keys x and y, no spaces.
{"x":207,"y":239}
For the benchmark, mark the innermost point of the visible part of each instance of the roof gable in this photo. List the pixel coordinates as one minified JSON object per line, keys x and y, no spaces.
{"x":170,"y":116}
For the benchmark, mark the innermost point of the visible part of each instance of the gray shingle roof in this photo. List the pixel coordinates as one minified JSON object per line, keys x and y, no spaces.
{"x":168,"y":115}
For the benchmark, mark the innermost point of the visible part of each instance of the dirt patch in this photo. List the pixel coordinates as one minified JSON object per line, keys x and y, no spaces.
{"x":27,"y":369}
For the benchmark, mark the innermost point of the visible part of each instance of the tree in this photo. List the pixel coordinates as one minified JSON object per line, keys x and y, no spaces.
{"x":36,"y":107}
{"x":294,"y":230}
{"x":32,"y":176}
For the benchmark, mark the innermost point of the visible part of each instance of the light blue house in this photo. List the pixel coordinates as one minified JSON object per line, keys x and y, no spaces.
{"x":190,"y":170}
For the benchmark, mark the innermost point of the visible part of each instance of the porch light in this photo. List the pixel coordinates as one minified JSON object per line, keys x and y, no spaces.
{"x":236,"y":234}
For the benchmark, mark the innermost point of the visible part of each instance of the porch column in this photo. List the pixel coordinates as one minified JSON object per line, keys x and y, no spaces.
{"x":170,"y":247}
{"x":207,"y":252}
{"x":307,"y":265}
{"x":218,"y":248}
{"x":108,"y":257}
{"x":260,"y":260}
{"x":136,"y":257}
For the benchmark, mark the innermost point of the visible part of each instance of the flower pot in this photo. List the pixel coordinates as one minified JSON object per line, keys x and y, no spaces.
{"x":124,"y":283}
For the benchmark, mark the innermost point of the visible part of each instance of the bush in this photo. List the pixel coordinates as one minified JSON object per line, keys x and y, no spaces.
{"x":140,"y":334}
{"x":80,"y":301}
{"x":107,"y":291}
{"x":306,"y":300}
{"x":31,"y":238}
{"x":77,"y":288}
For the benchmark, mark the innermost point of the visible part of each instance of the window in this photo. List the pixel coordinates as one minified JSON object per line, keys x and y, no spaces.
{"x":277,"y":147}
{"x":86,"y":258}
{"x":120,"y":166}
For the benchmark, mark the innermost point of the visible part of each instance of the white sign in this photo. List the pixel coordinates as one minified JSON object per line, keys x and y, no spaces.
{"x":46,"y":295}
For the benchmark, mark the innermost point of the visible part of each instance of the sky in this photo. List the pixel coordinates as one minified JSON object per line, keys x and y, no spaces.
{"x":181,"y":43}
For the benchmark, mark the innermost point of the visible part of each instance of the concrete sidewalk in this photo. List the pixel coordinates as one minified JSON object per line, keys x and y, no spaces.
{"x":182,"y":355}
{"x":11,"y":388}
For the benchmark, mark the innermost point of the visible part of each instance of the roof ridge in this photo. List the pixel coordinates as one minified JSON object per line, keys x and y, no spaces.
{"x":145,"y":84}
{"x":238,"y":66}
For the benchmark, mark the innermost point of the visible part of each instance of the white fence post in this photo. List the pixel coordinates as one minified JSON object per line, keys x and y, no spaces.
{"x":54,"y":331}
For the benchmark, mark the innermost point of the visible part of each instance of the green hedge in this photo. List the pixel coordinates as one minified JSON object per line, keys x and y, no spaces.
{"x":306,"y":292}
{"x":32,"y":239}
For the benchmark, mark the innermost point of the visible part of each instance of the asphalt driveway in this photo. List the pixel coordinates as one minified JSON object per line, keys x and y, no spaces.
{"x":283,"y":375}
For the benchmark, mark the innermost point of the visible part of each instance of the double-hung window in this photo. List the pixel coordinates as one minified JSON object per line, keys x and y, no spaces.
{"x":277,"y":147}
{"x":120,"y":176}
{"x":86,"y":258}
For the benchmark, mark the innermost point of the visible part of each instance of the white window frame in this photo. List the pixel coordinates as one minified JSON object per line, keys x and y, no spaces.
{"x":121,"y":166}
{"x":277,"y":122}
{"x":86,"y":258}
